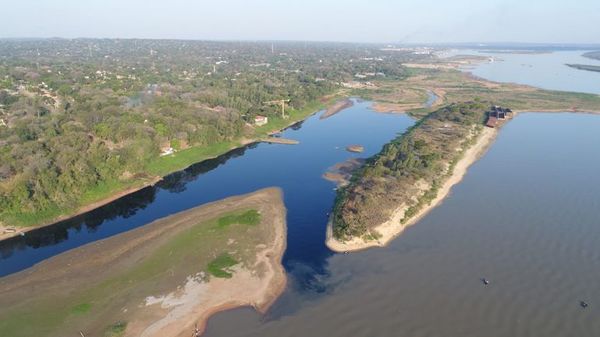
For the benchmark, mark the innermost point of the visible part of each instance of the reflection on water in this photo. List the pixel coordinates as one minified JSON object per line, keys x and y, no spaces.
{"x":297,"y":169}
{"x":525,"y":217}
{"x":121,"y":208}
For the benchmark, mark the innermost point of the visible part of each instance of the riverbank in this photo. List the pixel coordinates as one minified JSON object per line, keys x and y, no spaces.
{"x":236,"y":246}
{"x":395,"y":226}
{"x":7,"y":232}
{"x":407,"y":176}
{"x":279,"y":140}
{"x":337,"y":107}
{"x":157,"y":170}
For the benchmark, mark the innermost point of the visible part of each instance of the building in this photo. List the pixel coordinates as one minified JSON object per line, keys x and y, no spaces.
{"x":497,"y":114}
{"x":167,"y":151}
{"x":261,"y":120}
{"x":500,"y":112}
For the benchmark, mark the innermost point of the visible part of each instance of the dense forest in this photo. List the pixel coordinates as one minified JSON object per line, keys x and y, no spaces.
{"x":83,"y":115}
{"x":408,"y":171}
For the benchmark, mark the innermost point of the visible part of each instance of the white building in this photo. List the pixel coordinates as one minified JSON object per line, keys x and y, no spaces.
{"x":261,"y":120}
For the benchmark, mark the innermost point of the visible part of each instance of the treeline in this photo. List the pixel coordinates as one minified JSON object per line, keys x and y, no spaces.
{"x":82,"y":114}
{"x":407,"y":171}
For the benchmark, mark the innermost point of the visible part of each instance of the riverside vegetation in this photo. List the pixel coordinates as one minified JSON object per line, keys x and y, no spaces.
{"x":417,"y":161}
{"x":408,"y":172}
{"x":84,"y":119}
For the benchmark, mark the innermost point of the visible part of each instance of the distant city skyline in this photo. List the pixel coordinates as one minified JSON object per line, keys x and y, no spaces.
{"x":425,"y":21}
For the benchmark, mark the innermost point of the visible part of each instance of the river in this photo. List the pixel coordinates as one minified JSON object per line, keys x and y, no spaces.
{"x":297,"y":169}
{"x":525,"y":217}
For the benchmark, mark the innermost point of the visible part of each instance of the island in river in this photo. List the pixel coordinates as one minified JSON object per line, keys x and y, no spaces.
{"x":162,"y":279}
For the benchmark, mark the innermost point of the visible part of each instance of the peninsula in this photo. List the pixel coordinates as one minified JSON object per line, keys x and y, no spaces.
{"x":408,"y":177}
{"x":162,"y":279}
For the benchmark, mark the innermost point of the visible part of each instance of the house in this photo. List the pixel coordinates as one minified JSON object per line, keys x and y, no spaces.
{"x":167,"y":151}
{"x":261,"y":120}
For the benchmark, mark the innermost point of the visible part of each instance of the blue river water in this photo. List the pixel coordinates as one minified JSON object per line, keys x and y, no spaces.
{"x":297,"y":169}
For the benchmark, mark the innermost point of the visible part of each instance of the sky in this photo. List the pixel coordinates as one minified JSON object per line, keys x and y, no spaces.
{"x":397,"y":21}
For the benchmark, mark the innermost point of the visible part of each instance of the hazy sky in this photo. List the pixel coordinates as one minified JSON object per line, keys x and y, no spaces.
{"x":575,"y":21}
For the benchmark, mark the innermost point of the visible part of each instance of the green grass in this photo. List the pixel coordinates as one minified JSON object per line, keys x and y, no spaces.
{"x":250,"y":217}
{"x":116,"y":330}
{"x":81,"y":309}
{"x":218,"y":266}
{"x":180,"y":160}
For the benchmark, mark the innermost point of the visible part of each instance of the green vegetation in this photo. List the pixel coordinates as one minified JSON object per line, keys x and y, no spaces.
{"x":218,"y":267}
{"x":413,"y":164}
{"x":585,"y":67}
{"x":456,"y":86}
{"x":116,"y":330}
{"x":88,"y":118}
{"x":204,"y":247}
{"x":81,"y":309}
{"x":250,"y":218}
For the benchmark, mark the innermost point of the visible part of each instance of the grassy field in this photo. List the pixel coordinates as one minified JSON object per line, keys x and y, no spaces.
{"x":101,"y":299}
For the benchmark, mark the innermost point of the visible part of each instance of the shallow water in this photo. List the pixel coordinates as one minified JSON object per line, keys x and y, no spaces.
{"x":546,"y":69}
{"x":526,"y":217}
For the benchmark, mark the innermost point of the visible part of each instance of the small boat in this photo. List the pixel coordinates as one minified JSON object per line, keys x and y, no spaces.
{"x":485,"y":281}
{"x":583,"y":304}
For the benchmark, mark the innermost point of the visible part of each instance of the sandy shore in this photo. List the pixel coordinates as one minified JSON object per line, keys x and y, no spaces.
{"x":193,"y":306}
{"x":279,"y":140}
{"x":394,"y":107}
{"x":392,"y":228}
{"x":337,"y":107}
{"x":404,"y":107}
{"x":157,"y":308}
{"x":341,"y":173}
